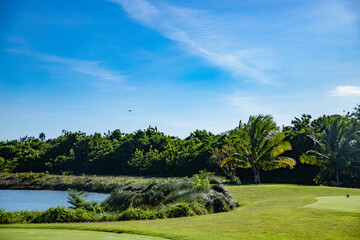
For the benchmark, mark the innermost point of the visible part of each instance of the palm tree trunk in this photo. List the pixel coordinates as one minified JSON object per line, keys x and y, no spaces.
{"x":257,"y":176}
{"x":337,"y":178}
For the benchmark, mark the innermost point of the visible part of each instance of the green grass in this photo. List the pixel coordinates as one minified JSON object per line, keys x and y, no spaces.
{"x":338,"y":203}
{"x":268,"y":212}
{"x":60,"y":234}
{"x":90,"y":183}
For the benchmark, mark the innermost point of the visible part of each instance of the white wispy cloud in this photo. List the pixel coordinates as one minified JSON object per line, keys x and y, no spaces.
{"x":334,"y":14}
{"x":17,"y":40}
{"x":204,"y":34}
{"x":248,"y":105}
{"x":247,"y":46}
{"x":90,"y":68}
{"x":346,"y":90}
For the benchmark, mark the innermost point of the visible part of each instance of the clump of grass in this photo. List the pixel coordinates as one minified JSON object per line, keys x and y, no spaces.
{"x":90,"y":183}
{"x":159,"y":195}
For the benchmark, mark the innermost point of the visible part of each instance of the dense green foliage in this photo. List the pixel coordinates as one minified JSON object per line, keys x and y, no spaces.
{"x":150,"y":152}
{"x":258,"y":146}
{"x":52,"y":215}
{"x":147,"y":152}
{"x":338,"y":148}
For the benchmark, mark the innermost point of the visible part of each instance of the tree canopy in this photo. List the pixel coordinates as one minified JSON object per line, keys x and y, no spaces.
{"x":338,"y":147}
{"x":243,"y":152}
{"x":259,"y":146}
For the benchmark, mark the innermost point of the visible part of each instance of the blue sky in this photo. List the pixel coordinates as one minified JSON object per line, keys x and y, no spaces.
{"x":179,"y":65}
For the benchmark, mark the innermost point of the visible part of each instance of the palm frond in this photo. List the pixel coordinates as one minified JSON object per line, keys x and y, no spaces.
{"x":309,"y":159}
{"x":281,"y":148}
{"x":286,"y":160}
{"x":319,"y":154}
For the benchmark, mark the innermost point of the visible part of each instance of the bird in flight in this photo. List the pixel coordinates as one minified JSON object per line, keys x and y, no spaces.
{"x":129,"y":110}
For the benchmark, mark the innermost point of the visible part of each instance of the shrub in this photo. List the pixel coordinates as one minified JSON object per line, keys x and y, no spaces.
{"x":179,"y":210}
{"x":158,"y":194}
{"x":234,"y":180}
{"x":198,"y":208}
{"x":201,"y":180}
{"x":218,"y":204}
{"x":61,"y":215}
{"x":217,"y":180}
{"x":18,"y":216}
{"x":149,"y":196}
{"x":76,"y":199}
{"x":134,"y":214}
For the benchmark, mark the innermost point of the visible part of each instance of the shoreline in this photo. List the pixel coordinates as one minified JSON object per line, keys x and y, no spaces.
{"x":89,"y":183}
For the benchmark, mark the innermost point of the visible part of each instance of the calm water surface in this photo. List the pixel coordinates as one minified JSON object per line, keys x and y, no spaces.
{"x":31,"y":200}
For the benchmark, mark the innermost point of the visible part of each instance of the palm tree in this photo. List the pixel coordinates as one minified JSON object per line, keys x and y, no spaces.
{"x":337,"y":148}
{"x":225,"y":154}
{"x":260,"y":146}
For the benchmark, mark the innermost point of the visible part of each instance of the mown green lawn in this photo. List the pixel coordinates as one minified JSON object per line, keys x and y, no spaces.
{"x":64,"y":234}
{"x":337,"y":203}
{"x":268,"y":212}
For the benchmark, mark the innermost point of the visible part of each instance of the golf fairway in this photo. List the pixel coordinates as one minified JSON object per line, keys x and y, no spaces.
{"x":338,"y":203}
{"x":62,"y":234}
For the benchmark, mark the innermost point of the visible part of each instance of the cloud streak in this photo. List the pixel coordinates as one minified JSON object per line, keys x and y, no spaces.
{"x":204,"y":34}
{"x":247,"y":46}
{"x":89,"y":68}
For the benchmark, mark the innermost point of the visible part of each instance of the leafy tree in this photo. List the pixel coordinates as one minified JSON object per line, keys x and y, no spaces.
{"x":144,"y":162}
{"x":297,"y":134}
{"x":356,"y":113}
{"x":42,"y":136}
{"x":337,"y":148}
{"x":200,"y":135}
{"x":259,"y":147}
{"x":26,"y":139}
{"x":115,"y":135}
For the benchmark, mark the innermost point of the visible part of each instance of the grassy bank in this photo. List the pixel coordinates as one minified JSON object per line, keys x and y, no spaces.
{"x":139,"y":200}
{"x":90,"y":183}
{"x":268,"y":212}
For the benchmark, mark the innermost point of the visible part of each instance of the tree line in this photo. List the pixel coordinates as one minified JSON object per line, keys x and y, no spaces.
{"x":325,"y":150}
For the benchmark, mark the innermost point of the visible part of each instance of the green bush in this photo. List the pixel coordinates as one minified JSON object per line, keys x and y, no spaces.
{"x":198,"y":208}
{"x":201,"y":180}
{"x":61,"y":215}
{"x":155,"y":195}
{"x":217,"y":180}
{"x":219,"y":205}
{"x":18,"y":216}
{"x":149,"y":196}
{"x":179,"y":210}
{"x":234,"y":180}
{"x":135,"y":214}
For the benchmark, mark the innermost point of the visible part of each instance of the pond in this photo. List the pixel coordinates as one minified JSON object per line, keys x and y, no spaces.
{"x":31,"y":200}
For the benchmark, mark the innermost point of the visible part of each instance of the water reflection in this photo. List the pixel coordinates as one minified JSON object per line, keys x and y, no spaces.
{"x":31,"y":200}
